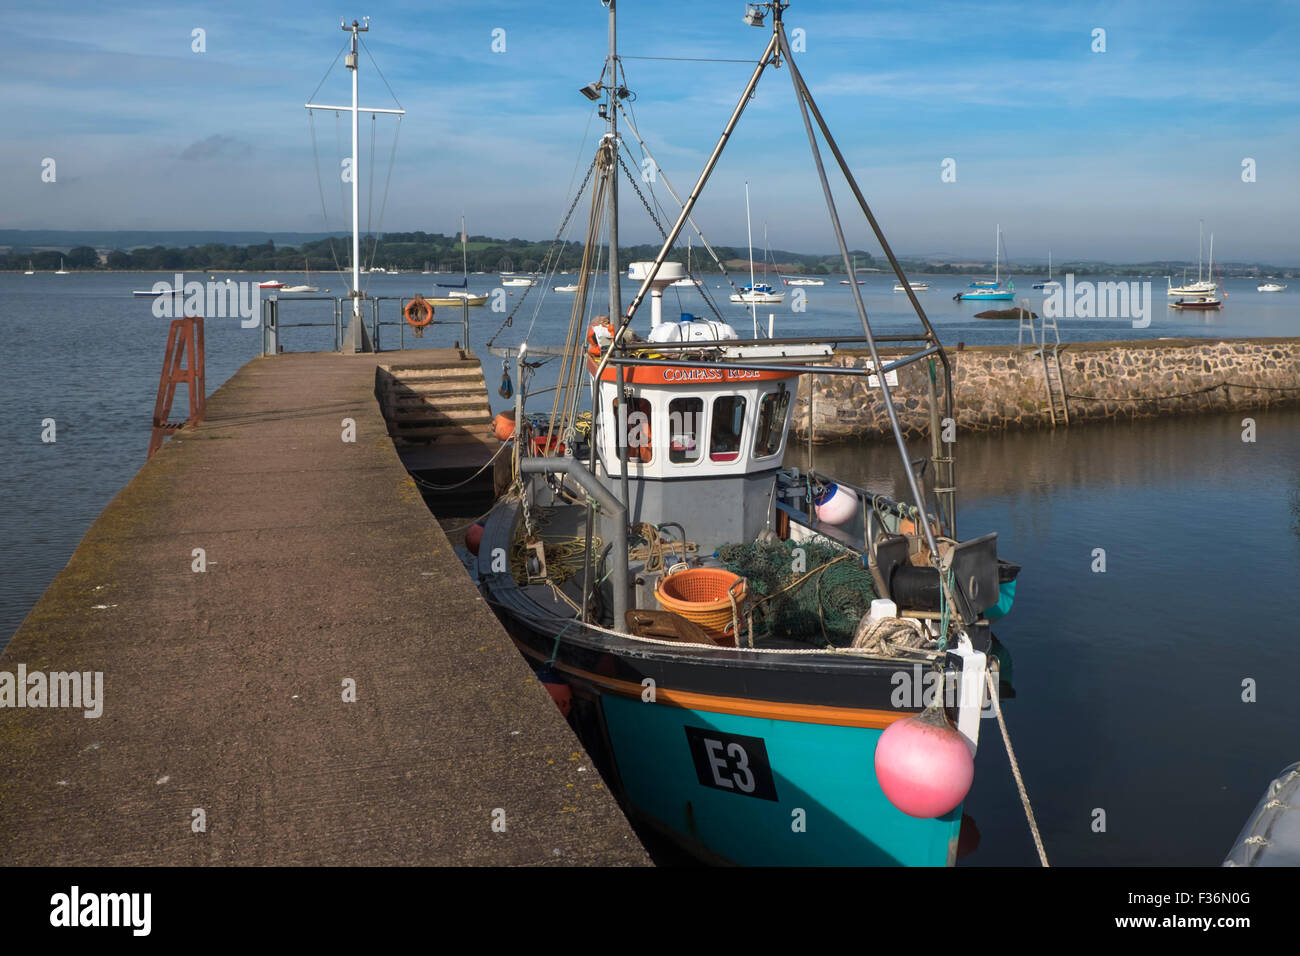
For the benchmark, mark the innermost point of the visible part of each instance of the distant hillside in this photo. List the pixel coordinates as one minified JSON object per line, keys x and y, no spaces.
{"x":146,"y":251}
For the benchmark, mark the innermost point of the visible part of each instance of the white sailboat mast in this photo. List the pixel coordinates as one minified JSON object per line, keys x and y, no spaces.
{"x":749,"y":229}
{"x":353,"y":63}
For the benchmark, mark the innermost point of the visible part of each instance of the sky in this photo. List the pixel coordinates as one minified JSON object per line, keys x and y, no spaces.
{"x":1114,"y":155}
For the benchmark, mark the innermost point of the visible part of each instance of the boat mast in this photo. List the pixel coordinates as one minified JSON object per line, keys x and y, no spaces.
{"x":611,"y":108}
{"x":356,"y":338}
{"x":464,"y":255}
{"x":749,"y":229}
{"x":997,"y":255}
{"x":1200,"y":251}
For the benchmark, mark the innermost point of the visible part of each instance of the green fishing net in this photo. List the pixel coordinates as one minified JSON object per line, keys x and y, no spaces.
{"x":807,"y":591}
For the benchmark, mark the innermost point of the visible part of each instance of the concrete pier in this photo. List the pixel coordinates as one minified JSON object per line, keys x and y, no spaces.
{"x":319,"y":684}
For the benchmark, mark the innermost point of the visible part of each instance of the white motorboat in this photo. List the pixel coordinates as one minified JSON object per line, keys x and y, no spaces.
{"x":804,"y":281}
{"x":512,"y":280}
{"x":1271,"y":287}
{"x":759,"y":294}
{"x":573,"y":288}
{"x":916,"y":286}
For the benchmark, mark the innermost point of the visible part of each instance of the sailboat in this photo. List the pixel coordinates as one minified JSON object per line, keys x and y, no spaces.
{"x":307,"y":286}
{"x":31,"y":271}
{"x":982,"y":290}
{"x":756,"y":293}
{"x":460,"y":294}
{"x":1050,"y":283}
{"x":687,"y":280}
{"x":1201,"y":300}
{"x":729,"y":635}
{"x":1202,"y":286}
{"x":62,"y":271}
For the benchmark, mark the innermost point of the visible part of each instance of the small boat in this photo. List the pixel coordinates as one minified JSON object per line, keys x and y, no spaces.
{"x":456,"y":299}
{"x":1271,"y":836}
{"x":30,"y":271}
{"x":1198,"y":302}
{"x":916,"y":286}
{"x":62,"y":271}
{"x":514,"y":280}
{"x":758,"y":294}
{"x":1266,"y":287}
{"x":271,"y":284}
{"x":1051,"y":283}
{"x":847,"y":282}
{"x":803,"y":281}
{"x":302,"y":288}
{"x":685,"y":280}
{"x":153,"y":294}
{"x":377,"y":270}
{"x":1201,"y":287}
{"x":460,"y":294}
{"x":574,"y":288}
{"x":982,"y":290}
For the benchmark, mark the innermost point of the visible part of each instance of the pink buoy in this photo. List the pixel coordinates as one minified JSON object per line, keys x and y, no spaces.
{"x":924,"y":765}
{"x":836,"y":505}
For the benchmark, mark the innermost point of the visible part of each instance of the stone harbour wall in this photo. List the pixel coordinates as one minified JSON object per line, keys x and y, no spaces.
{"x":1003,"y":387}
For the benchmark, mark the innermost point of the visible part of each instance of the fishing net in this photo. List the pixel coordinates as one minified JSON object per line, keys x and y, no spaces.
{"x":808,"y":591}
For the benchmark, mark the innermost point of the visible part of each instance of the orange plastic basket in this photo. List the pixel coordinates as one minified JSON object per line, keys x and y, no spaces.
{"x":701,"y":595}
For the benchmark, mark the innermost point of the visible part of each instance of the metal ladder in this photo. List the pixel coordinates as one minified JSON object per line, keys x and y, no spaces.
{"x":1053,"y":376}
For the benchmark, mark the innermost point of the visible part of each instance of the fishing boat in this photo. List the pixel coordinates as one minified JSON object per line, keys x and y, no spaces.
{"x":460,"y":294}
{"x":1266,"y":287}
{"x":982,"y":290}
{"x":728,"y":635}
{"x":62,"y":271}
{"x":1051,"y":283}
{"x":917,"y":286}
{"x":1202,"y":287}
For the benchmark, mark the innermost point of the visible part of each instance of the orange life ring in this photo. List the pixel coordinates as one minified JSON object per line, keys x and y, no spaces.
{"x":418,"y":304}
{"x":593,"y":344}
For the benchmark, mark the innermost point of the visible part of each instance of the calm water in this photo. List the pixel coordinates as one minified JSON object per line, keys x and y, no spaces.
{"x":1128,"y":682}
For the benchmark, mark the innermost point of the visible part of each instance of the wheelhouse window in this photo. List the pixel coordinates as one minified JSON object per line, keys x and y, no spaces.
{"x":637,"y":434}
{"x":685,"y":430}
{"x":772,"y":409}
{"x":726,"y":428}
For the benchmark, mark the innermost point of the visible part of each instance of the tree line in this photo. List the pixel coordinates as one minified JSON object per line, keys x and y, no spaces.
{"x":407,"y":251}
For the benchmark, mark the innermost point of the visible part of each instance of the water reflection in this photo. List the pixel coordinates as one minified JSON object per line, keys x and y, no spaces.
{"x":1129,"y":680}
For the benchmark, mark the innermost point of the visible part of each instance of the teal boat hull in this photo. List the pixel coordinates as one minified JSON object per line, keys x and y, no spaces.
{"x":824,"y":806}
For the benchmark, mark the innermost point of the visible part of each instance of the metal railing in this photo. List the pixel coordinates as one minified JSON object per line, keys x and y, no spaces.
{"x":272,"y":325}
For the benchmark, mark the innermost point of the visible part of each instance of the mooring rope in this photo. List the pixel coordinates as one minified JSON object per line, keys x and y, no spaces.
{"x":1015,"y":769}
